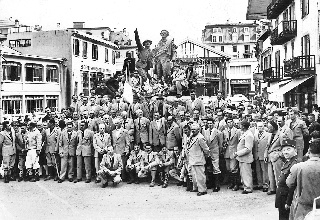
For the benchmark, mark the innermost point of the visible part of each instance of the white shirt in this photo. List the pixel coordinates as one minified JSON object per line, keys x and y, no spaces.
{"x":117,"y":133}
{"x":158,"y":123}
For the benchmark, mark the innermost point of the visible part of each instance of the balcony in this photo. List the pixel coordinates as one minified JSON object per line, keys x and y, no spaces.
{"x":300,"y":66}
{"x":276,"y":7}
{"x":285,"y":31}
{"x":273,"y":74}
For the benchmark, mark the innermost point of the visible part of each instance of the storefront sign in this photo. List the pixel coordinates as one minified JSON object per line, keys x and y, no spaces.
{"x":240,"y":81}
{"x":93,"y":68}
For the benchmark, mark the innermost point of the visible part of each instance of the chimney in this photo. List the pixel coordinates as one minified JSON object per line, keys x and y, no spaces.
{"x":78,"y":24}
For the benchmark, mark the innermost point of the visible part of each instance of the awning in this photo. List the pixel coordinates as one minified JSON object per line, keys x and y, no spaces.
{"x":278,"y":95}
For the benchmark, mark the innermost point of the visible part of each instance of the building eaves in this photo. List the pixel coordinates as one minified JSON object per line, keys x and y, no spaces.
{"x":94,"y":39}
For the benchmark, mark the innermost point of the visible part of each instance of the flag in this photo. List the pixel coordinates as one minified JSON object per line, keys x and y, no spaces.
{"x":127,"y":93}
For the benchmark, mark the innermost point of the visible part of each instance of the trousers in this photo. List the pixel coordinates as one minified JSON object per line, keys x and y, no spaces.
{"x":87,"y":166}
{"x":199,"y":178}
{"x":32,"y":159}
{"x":246,"y":176}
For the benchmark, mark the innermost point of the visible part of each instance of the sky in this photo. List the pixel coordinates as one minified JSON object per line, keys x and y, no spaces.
{"x":181,"y":18}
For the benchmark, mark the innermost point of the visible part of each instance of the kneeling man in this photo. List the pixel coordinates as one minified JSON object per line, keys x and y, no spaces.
{"x":110,"y":167}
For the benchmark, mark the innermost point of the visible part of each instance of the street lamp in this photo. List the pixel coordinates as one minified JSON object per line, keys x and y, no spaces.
{"x":2,"y":39}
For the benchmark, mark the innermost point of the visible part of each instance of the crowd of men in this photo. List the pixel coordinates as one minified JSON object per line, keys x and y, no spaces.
{"x":200,"y":146}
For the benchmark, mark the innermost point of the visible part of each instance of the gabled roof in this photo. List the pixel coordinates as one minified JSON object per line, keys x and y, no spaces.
{"x":218,"y":52}
{"x":83,"y":35}
{"x":6,"y":24}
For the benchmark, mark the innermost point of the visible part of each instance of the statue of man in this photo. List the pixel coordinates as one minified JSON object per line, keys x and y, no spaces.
{"x":144,"y":62}
{"x":164,"y":53}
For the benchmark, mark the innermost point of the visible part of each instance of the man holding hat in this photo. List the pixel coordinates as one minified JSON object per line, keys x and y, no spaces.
{"x":284,"y":193}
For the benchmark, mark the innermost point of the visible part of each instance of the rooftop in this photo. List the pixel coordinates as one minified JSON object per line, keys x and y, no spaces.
{"x":240,"y":24}
{"x":257,"y":9}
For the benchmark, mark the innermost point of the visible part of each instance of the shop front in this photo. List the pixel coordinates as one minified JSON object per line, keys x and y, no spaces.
{"x":240,"y":86}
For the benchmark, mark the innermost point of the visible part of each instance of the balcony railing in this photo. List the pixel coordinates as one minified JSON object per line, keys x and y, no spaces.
{"x":276,"y":7}
{"x":300,"y":66}
{"x":285,"y":31}
{"x":273,"y":74}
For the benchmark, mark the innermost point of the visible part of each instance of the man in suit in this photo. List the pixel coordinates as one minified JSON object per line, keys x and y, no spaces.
{"x":160,"y":106}
{"x":231,"y":137}
{"x":284,"y":193}
{"x":194,"y":103}
{"x":197,"y":150}
{"x":101,"y":141}
{"x":128,"y":124}
{"x":299,"y":129}
{"x":304,"y":178}
{"x":133,"y":164}
{"x":110,"y":167}
{"x":121,"y":144}
{"x":149,"y":164}
{"x":84,"y":152}
{"x":245,"y":157}
{"x":285,"y":133}
{"x":51,"y":141}
{"x":157,"y":132}
{"x":67,"y":144}
{"x":166,"y":160}
{"x":141,"y":125}
{"x":219,"y":102}
{"x":259,"y":146}
{"x":21,"y":139}
{"x":8,"y":146}
{"x":214,"y":139}
{"x":119,"y":106}
{"x":272,"y":156}
{"x":220,"y":122}
{"x":173,"y":137}
{"x":34,"y":141}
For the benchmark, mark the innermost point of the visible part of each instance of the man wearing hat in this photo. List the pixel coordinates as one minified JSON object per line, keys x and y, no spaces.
{"x":304,"y":178}
{"x":129,"y":64}
{"x":194,"y":104}
{"x":144,"y":62}
{"x":119,"y":106}
{"x":283,"y":192}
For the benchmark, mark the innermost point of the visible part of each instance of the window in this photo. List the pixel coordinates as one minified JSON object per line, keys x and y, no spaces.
{"x":222,"y":48}
{"x":106,"y":58}
{"x":52,"y":102}
{"x":113,"y":57}
{"x":234,"y":48}
{"x":247,"y":48}
{"x":118,"y":55}
{"x":76,"y":47}
{"x":246,"y":38}
{"x":214,"y":39}
{"x":34,"y":103}
{"x":234,"y":30}
{"x":220,"y":38}
{"x":246,"y":29}
{"x":240,"y":70}
{"x":132,"y":52}
{"x":305,"y":8}
{"x":11,"y":71}
{"x":94,"y":51}
{"x":93,"y":79}
{"x":292,"y":48}
{"x":12,"y":104}
{"x":13,"y":43}
{"x":85,"y":83}
{"x":214,"y":30}
{"x":34,"y":73}
{"x":85,"y":49}
{"x":20,"y":43}
{"x":305,"y":45}
{"x":52,"y":74}
{"x":285,"y":52}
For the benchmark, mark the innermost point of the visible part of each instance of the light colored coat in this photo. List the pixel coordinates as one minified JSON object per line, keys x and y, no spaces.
{"x":142,"y":129}
{"x":68,"y":146}
{"x":214,"y":140}
{"x":101,"y":142}
{"x":105,"y":164}
{"x":244,"y":148}
{"x":231,"y":142}
{"x":196,"y":150}
{"x":51,"y":140}
{"x":121,"y":143}
{"x":129,"y":126}
{"x":157,"y":135}
{"x":173,"y":137}
{"x":34,"y":139}
{"x":198,"y":105}
{"x":273,"y":149}
{"x":85,"y":145}
{"x":8,"y":143}
{"x":260,"y":145}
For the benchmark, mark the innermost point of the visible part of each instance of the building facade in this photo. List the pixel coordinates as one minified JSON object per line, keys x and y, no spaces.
{"x":31,"y":83}
{"x":210,"y":65}
{"x":86,"y":56}
{"x":289,"y":53}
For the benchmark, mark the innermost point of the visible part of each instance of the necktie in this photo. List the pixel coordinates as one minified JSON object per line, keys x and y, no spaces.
{"x":118,"y":106}
{"x":124,"y":124}
{"x":229,"y":134}
{"x":272,"y":137}
{"x":139,"y":124}
{"x":112,"y":161}
{"x":259,"y":135}
{"x":69,"y":135}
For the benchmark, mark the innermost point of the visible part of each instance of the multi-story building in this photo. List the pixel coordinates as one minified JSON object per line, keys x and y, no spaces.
{"x":210,"y":65}
{"x":88,"y":57}
{"x":31,"y":83}
{"x":289,"y":53}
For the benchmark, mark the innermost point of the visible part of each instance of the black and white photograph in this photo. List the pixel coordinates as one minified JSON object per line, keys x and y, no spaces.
{"x":153,"y":110}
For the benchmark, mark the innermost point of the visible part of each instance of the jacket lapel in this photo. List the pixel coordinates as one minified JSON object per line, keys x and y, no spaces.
{"x":213,"y":134}
{"x":276,"y":137}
